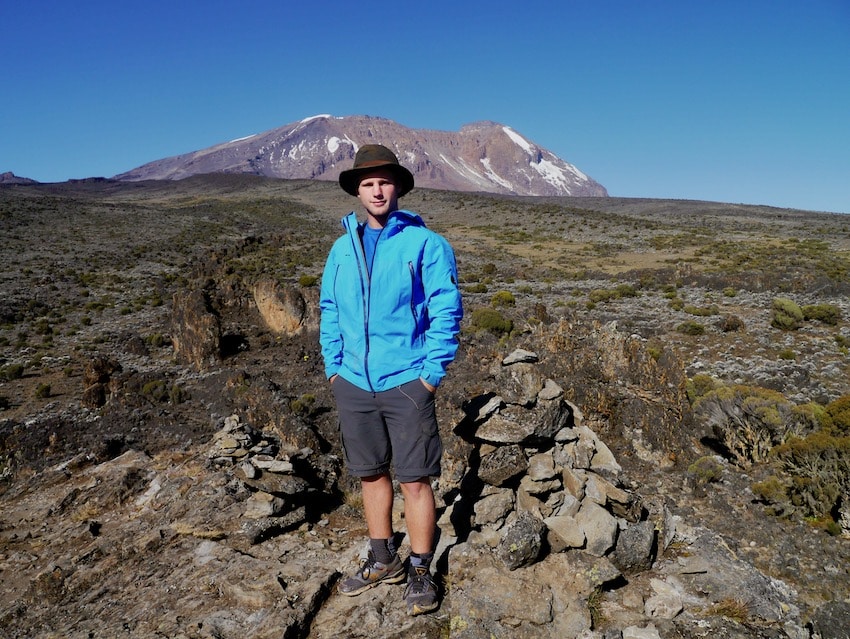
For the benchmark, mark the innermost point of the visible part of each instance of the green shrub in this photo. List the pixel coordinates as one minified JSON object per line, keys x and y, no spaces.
{"x":691,"y":328}
{"x":826,"y":313}
{"x":771,"y":490}
{"x":677,"y":303}
{"x":156,"y":340}
{"x":303,"y":405}
{"x":730,"y":323}
{"x":787,"y":315}
{"x":700,"y":385}
{"x":503,"y":298}
{"x":43,"y":327}
{"x":706,"y":470}
{"x":729,"y":292}
{"x":156,"y":390}
{"x":788,"y":354}
{"x":700,"y":311}
{"x":810,"y":417}
{"x":488,"y":319}
{"x":749,"y":421}
{"x":306,"y":281}
{"x":601,"y":295}
{"x":42,"y":391}
{"x":839,"y":415}
{"x":819,"y":467}
{"x":606,"y":294}
{"x":177,"y":395}
{"x":12,"y":371}
{"x":625,"y":290}
{"x":478,"y":287}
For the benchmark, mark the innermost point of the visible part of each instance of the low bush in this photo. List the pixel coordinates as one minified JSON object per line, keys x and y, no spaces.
{"x":826,"y":313}
{"x":157,"y":390}
{"x":700,"y":311}
{"x":691,"y":328}
{"x":773,"y":491}
{"x":303,"y":405}
{"x":306,"y":281}
{"x":787,"y":315}
{"x":606,"y":294}
{"x":730,"y":323}
{"x":787,"y":354}
{"x":838,"y":412}
{"x":749,"y":421}
{"x":12,"y":371}
{"x":819,"y":468}
{"x":488,"y":319}
{"x":706,"y":470}
{"x":676,"y":303}
{"x":700,"y":385}
{"x":503,"y":298}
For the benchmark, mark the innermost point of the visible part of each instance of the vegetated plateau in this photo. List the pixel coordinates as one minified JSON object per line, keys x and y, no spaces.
{"x":751,"y":301}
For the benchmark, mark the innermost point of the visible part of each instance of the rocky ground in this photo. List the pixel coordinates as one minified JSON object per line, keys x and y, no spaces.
{"x":169,"y":459}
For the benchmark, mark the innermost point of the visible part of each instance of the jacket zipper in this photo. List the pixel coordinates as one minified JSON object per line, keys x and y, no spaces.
{"x":412,"y":291}
{"x":365,"y":292}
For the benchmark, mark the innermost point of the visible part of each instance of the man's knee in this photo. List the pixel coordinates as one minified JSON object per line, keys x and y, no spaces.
{"x":417,"y":488}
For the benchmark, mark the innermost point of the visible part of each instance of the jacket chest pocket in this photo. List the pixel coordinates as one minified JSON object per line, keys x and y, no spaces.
{"x":417,"y":296}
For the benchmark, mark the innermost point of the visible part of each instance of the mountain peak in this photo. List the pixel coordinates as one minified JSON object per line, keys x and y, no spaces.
{"x":10,"y":178}
{"x":482,"y":156}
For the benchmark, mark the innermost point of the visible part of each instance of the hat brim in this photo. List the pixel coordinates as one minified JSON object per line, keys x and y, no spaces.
{"x":350,"y":180}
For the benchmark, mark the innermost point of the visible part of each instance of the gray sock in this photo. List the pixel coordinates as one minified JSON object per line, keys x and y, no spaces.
{"x":381,"y":550}
{"x":421,"y":560}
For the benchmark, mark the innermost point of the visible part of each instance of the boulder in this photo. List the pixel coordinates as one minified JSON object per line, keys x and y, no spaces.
{"x":195,"y":329}
{"x":522,"y":541}
{"x":284,"y":309}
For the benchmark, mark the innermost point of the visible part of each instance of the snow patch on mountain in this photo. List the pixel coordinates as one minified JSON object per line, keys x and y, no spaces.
{"x":496,"y":178}
{"x":518,"y":139}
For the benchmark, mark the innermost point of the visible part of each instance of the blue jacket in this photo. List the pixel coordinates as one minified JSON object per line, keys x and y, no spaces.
{"x":398,"y":324}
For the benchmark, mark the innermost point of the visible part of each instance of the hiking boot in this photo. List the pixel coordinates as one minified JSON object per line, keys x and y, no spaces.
{"x":421,"y":592}
{"x":370,"y":574}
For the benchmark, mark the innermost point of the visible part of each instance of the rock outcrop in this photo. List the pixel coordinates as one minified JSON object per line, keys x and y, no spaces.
{"x":195,"y":329}
{"x":286,"y":310}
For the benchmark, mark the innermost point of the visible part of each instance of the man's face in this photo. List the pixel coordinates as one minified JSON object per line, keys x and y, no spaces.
{"x":378,"y":193}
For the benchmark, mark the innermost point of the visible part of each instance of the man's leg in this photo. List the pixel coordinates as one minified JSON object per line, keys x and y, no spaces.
{"x":378,"y":505}
{"x":420,"y":513}
{"x":383,"y":564}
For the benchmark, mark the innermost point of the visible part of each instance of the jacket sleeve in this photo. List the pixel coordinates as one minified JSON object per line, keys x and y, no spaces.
{"x":330,"y":337}
{"x":445,"y":309}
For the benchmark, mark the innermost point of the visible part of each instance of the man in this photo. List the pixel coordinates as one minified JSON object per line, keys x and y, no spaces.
{"x":391,"y":311}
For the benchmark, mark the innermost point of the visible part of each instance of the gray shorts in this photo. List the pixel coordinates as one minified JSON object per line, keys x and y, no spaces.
{"x":396,"y":427}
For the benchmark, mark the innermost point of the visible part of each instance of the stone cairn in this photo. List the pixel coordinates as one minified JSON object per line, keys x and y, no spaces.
{"x":540,"y":481}
{"x":282,"y":482}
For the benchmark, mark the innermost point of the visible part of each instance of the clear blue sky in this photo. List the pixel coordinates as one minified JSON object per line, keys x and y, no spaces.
{"x":727,"y":100}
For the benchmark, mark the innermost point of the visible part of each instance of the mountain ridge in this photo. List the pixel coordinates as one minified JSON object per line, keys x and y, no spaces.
{"x":482,"y":156}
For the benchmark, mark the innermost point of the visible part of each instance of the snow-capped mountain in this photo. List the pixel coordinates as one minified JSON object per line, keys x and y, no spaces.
{"x":483,"y":156}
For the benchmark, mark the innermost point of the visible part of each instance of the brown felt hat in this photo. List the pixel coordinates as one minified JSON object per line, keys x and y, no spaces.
{"x":370,"y":157}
